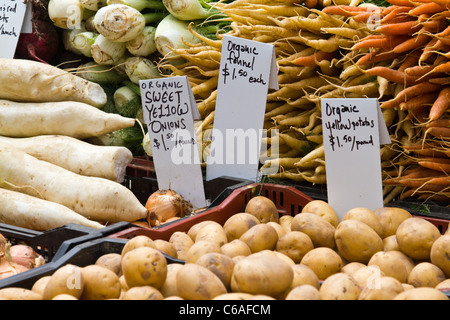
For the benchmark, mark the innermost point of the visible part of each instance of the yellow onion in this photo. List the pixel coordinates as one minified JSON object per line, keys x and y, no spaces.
{"x":166,"y":204}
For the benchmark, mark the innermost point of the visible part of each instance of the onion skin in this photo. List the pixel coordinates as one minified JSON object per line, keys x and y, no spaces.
{"x":25,"y":256}
{"x":166,"y":204}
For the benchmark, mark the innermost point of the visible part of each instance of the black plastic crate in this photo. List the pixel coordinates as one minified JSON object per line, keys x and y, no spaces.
{"x":81,"y":255}
{"x":216,"y":190}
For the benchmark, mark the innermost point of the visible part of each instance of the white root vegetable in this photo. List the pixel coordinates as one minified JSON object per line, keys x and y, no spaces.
{"x":95,"y":198}
{"x":109,"y":162}
{"x":69,"y":118}
{"x":33,"y":81}
{"x":25,"y":211}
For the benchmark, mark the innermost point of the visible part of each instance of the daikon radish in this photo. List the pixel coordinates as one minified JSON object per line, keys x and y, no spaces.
{"x":25,"y":211}
{"x":95,"y":198}
{"x":33,"y":81}
{"x":109,"y":162}
{"x":74,"y":119}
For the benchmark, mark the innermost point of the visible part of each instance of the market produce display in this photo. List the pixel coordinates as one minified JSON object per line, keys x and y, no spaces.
{"x":250,"y":258}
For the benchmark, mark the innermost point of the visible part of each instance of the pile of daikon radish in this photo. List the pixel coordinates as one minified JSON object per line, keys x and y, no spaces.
{"x":49,"y":175}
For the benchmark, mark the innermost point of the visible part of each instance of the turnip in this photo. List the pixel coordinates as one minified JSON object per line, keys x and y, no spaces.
{"x":109,"y":162}
{"x":95,"y":198}
{"x":75,"y":119}
{"x":33,"y":81}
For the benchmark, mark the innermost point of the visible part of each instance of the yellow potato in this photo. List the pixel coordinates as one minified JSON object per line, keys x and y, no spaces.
{"x":390,"y":218}
{"x":235,"y":248}
{"x":100,"y":283}
{"x":233,"y":296}
{"x":142,"y":293}
{"x":166,"y":247}
{"x":386,"y":289}
{"x":421,"y":294}
{"x":352,"y":267}
{"x":110,"y":261}
{"x":40,"y":284}
{"x":304,"y":292}
{"x":64,"y":296}
{"x":444,"y":284}
{"x":415,"y":237}
{"x":317,"y":228}
{"x":390,"y":243}
{"x":144,"y":266}
{"x":192,"y":232}
{"x":294,"y":244}
{"x":200,"y":248}
{"x":304,"y":275}
{"x":212,"y":232}
{"x":195,"y":282}
{"x":285,"y":222}
{"x":169,"y":287}
{"x":368,"y":276}
{"x":221,"y":265}
{"x":323,"y":261}
{"x":440,"y":253}
{"x":260,"y":237}
{"x":136,"y":242}
{"x":13,"y":293}
{"x":367,"y":216}
{"x":279,"y":229}
{"x":66,"y":279}
{"x":236,"y":225}
{"x":425,"y":274}
{"x":340,"y":286}
{"x":356,"y":241}
{"x":395,"y":264}
{"x":263,"y":208}
{"x":262,"y":273}
{"x":182,"y":242}
{"x":323,"y":209}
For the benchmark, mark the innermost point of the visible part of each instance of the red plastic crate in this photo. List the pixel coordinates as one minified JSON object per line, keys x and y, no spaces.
{"x":441,"y":224}
{"x":288,"y":200}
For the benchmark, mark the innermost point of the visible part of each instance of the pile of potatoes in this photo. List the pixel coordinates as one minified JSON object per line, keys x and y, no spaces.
{"x":383,"y":254}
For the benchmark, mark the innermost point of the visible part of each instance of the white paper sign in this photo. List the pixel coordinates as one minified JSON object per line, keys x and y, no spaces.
{"x":168,"y":112}
{"x":351,"y":132}
{"x":12,"y":13}
{"x":247,"y":70}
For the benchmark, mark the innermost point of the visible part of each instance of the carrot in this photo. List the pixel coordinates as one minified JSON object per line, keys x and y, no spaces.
{"x":378,"y":56}
{"x":410,"y":92}
{"x":418,"y":70}
{"x":442,"y":3}
{"x":438,"y":123}
{"x":441,"y":104}
{"x":436,"y":165}
{"x":439,"y":132}
{"x":344,"y":10}
{"x":405,"y":3}
{"x":95,"y":198}
{"x":37,"y":214}
{"x":386,"y":42}
{"x":411,"y":60}
{"x":415,"y":42}
{"x":392,"y":75}
{"x":441,"y":68}
{"x":426,"y":8}
{"x":109,"y":162}
{"x":425,"y":100}
{"x":312,"y":60}
{"x":32,"y":81}
{"x":402,"y":28}
{"x":392,"y":12}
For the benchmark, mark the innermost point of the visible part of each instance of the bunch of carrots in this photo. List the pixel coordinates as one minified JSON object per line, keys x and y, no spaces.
{"x":345,"y":50}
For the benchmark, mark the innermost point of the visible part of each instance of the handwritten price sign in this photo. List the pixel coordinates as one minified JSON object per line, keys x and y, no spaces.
{"x":353,"y":132}
{"x":12,"y":13}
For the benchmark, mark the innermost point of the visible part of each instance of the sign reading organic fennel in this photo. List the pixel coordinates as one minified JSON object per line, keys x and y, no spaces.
{"x":247,"y":70}
{"x":12,"y":13}
{"x":353,"y":130}
{"x":169,"y":110}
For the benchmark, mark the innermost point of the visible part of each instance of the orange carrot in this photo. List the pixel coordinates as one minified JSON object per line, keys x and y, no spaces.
{"x":442,"y":3}
{"x":443,"y":67}
{"x":426,"y":8}
{"x":441,"y":104}
{"x":436,"y":165}
{"x":405,"y":3}
{"x":312,"y":60}
{"x":373,"y":57}
{"x":415,"y":42}
{"x":439,"y":132}
{"x":423,"y":100}
{"x":402,"y":28}
{"x":344,"y":10}
{"x":411,"y":60}
{"x":387,"y":42}
{"x":444,"y":81}
{"x":419,"y":70}
{"x":438,"y":123}
{"x":410,"y":92}
{"x":392,"y":12}
{"x":392,"y":75}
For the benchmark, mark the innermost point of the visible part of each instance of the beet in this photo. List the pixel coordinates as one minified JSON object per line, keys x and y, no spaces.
{"x":43,"y":43}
